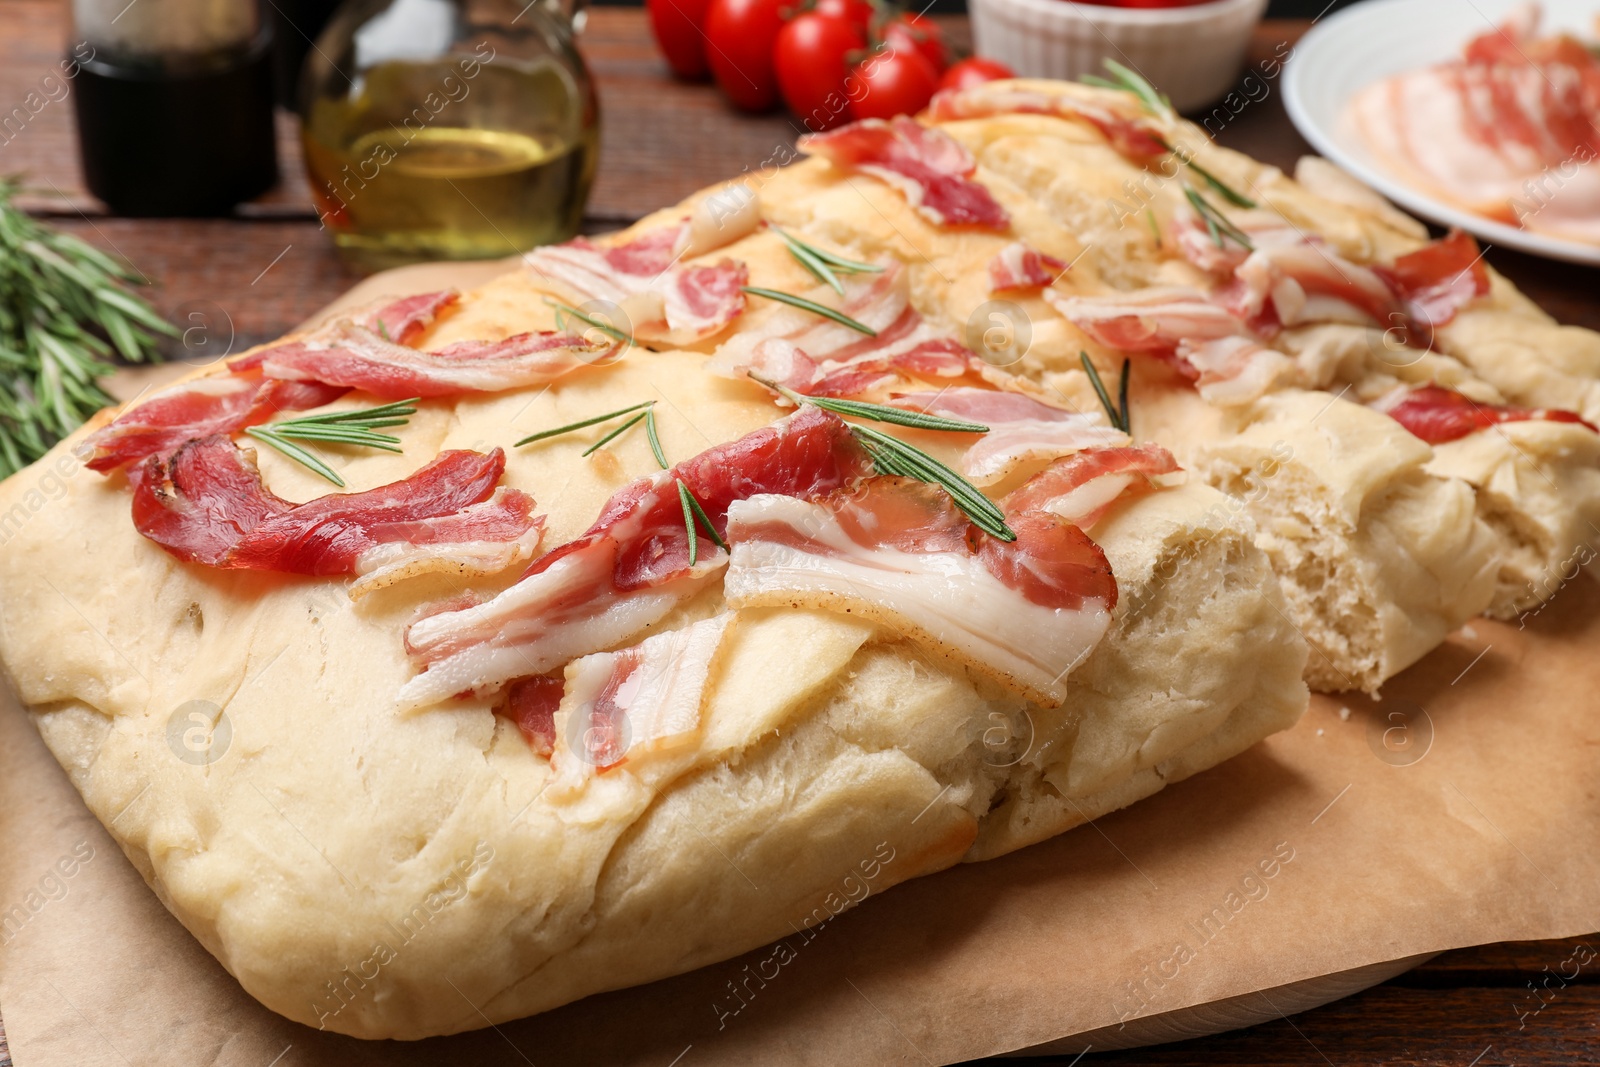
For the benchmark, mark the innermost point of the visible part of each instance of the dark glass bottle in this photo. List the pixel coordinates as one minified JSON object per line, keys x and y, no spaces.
{"x":174,"y":104}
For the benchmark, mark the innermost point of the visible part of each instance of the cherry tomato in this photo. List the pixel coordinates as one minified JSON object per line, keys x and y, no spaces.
{"x":906,"y":30}
{"x":1159,"y":3}
{"x":856,"y":12}
{"x":812,"y":57}
{"x":677,"y":26}
{"x":893,"y":83}
{"x":974,"y":71}
{"x":740,"y":35}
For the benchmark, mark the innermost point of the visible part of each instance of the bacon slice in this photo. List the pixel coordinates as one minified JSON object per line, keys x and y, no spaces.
{"x":1155,"y":320}
{"x":1020,"y":266}
{"x":1021,"y":429}
{"x":1082,"y":487}
{"x":206,"y":504}
{"x":664,"y":300}
{"x":897,"y":552}
{"x":819,"y":357}
{"x":405,"y":321}
{"x":1132,"y":135}
{"x":1234,"y":371}
{"x":928,"y":166}
{"x":532,"y":703}
{"x":631,"y":567}
{"x":345,"y":354}
{"x":198,"y":408}
{"x":1438,"y":280}
{"x":1436,"y":414}
{"x":633,"y":703}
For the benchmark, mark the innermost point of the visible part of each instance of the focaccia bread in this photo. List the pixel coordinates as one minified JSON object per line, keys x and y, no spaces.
{"x":393,"y":874}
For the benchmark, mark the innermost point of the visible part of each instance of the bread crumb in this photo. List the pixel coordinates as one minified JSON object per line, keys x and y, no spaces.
{"x":1344,"y":714}
{"x":1469,"y":633}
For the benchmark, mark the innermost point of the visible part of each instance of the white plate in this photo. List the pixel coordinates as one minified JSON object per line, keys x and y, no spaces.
{"x":1377,"y":38}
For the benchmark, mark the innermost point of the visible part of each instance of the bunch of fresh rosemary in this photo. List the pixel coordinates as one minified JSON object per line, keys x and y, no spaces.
{"x":63,"y":313}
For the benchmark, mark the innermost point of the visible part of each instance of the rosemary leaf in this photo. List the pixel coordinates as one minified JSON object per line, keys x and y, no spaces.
{"x":604,"y":327}
{"x":1217,"y":224}
{"x":812,"y":306}
{"x":810,"y":261}
{"x":580,"y":424}
{"x":654,"y":437}
{"x":861,"y":409}
{"x":614,"y":434}
{"x":688,"y":523}
{"x":294,"y":452}
{"x":1122,"y":397}
{"x":894,"y":456}
{"x":1118,"y":417}
{"x":701,"y":516}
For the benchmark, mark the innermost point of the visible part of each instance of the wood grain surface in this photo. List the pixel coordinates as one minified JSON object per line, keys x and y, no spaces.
{"x":239,"y":281}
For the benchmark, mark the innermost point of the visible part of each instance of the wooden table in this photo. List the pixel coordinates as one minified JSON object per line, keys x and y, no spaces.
{"x":255,"y":276}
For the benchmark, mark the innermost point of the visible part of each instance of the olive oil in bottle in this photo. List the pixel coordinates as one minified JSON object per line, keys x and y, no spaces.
{"x":484,"y":148}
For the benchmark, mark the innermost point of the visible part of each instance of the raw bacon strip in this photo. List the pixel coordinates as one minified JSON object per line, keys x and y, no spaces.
{"x":1438,"y":280}
{"x":206,"y":504}
{"x":1437,"y":415}
{"x":628,"y":704}
{"x":1082,"y":487}
{"x":1302,"y":282}
{"x":1021,"y":429}
{"x":532,"y":703}
{"x":632,"y":566}
{"x":818,"y":357}
{"x":1018,"y":266}
{"x":478,"y":540}
{"x":349,"y":355}
{"x":405,"y":320}
{"x":928,"y":166}
{"x":1239,"y":370}
{"x":664,"y":300}
{"x":897,"y":552}
{"x":199,"y":408}
{"x":1155,"y":320}
{"x":1130,"y":134}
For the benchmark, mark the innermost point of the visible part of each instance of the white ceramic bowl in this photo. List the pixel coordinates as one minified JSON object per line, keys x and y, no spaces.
{"x":1192,"y":53}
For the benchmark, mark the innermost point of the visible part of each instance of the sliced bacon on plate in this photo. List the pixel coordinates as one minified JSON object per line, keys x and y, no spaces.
{"x":1021,"y":429}
{"x":205,"y":503}
{"x":1020,"y":266}
{"x":631,"y":567}
{"x":1130,"y":134}
{"x":897,"y":552}
{"x":663,"y":299}
{"x":199,"y":408}
{"x":818,"y":357}
{"x":349,"y":355}
{"x":626,"y":705}
{"x":405,"y":321}
{"x":928,"y":166}
{"x":532,"y":704}
{"x":1436,"y":414}
{"x":1082,"y":487}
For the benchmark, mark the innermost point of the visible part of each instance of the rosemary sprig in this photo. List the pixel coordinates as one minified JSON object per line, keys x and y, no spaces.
{"x":356,"y":427}
{"x":1217,"y":224}
{"x":917,"y":420}
{"x":812,"y":306}
{"x":1157,"y":104}
{"x":64,"y":312}
{"x":1117,"y":413}
{"x":890,"y":455}
{"x":825,"y":266}
{"x":693,"y":515}
{"x":654,"y":438}
{"x":614,"y":434}
{"x":580,"y":424}
{"x":1132,"y":81}
{"x":599,"y":324}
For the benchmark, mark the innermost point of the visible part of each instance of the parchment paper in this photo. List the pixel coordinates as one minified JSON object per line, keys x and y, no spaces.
{"x":1463,"y":808}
